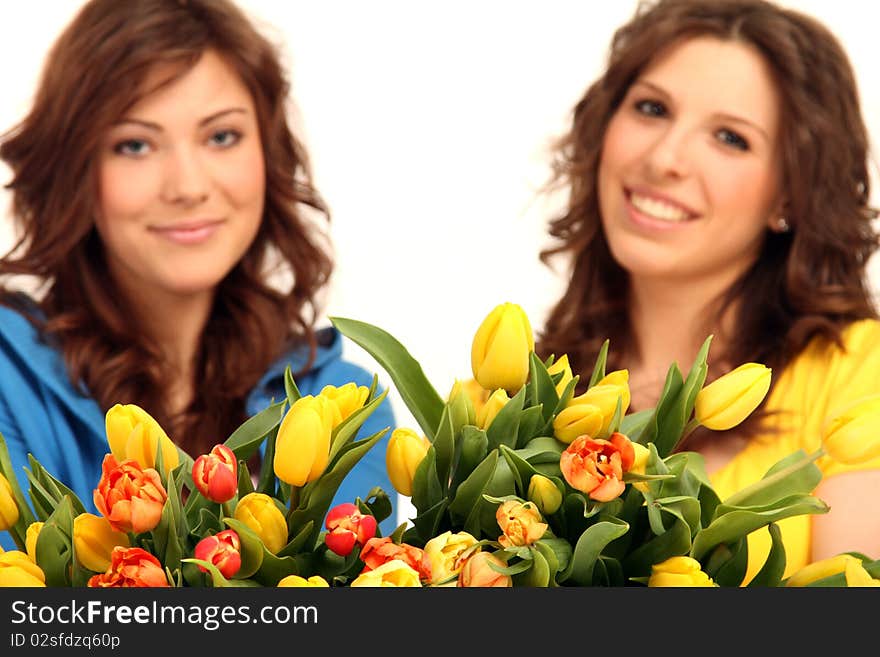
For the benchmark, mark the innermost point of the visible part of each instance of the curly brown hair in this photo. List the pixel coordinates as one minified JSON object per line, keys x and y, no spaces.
{"x":94,"y":72}
{"x":805,"y":283}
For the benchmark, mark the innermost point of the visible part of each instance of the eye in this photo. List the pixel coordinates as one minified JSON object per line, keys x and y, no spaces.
{"x":224,"y":138}
{"x":651,"y":108}
{"x":732,"y":139}
{"x":132,"y":148}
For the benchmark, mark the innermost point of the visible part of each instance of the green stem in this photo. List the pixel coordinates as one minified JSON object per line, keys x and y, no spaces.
{"x":226,"y":510}
{"x":740,"y":496}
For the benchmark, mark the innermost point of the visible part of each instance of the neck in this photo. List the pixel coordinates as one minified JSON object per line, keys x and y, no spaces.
{"x":670,"y":322}
{"x":176,"y":324}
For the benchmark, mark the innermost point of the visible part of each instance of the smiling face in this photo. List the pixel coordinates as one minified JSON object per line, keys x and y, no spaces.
{"x":689,"y":177}
{"x":182,"y":183}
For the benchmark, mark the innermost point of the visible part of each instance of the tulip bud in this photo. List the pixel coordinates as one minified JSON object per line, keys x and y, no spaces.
{"x":215,"y":474}
{"x":493,"y":406}
{"x":348,"y":527}
{"x":679,"y":572}
{"x":405,"y":451}
{"x":576,"y":420}
{"x":853,"y":437}
{"x":560,"y":365}
{"x":223,"y":549}
{"x":8,"y":507}
{"x":520,"y":523}
{"x":544,"y":493}
{"x":461,"y":406}
{"x":501,"y":348}
{"x":821,"y":569}
{"x":17,"y":569}
{"x":259,"y":512}
{"x":348,"y":399}
{"x":30,"y":539}
{"x":302,"y":448}
{"x":477,"y":571}
{"x":132,"y":433}
{"x":94,"y":540}
{"x":729,"y":399}
{"x":315,"y":581}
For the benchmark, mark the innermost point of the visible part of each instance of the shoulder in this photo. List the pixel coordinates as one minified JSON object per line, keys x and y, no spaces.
{"x":329,"y":367}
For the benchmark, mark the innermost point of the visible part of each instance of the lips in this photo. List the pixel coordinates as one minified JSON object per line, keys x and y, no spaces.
{"x":189,"y":232}
{"x":657,"y":208}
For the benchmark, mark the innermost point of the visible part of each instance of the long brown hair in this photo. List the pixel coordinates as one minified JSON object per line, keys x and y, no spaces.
{"x":93,"y":74}
{"x":805,"y":283}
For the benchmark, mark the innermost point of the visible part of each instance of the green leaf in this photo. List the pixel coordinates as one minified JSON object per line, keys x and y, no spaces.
{"x":245,"y":440}
{"x":633,"y":425}
{"x":732,"y":523}
{"x":290,"y":387}
{"x":542,"y":388}
{"x":55,"y":545}
{"x":588,"y":548}
{"x":599,"y":367}
{"x":25,"y":514}
{"x":427,"y":489}
{"x":471,"y":489}
{"x":531,"y":423}
{"x":540,"y":573}
{"x":252,"y":548}
{"x":444,"y":448}
{"x":504,"y":428}
{"x":728,"y":564}
{"x":796,"y":474}
{"x":669,"y":415}
{"x":409,"y":379}
{"x":774,"y":567}
{"x":676,"y":540}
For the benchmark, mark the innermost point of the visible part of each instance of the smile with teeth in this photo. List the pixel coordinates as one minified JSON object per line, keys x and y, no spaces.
{"x":657,"y":209}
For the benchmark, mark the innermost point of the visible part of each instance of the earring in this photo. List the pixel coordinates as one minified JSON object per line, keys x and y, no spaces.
{"x":782,"y":225}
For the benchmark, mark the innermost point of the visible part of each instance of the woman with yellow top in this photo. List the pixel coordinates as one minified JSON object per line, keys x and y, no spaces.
{"x":718,"y":184}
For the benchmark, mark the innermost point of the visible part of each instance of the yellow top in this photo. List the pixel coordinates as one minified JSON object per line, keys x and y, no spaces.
{"x":815,"y":386}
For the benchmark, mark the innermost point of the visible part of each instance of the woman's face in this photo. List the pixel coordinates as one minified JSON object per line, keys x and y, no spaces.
{"x":182,"y":183}
{"x":689,"y":177}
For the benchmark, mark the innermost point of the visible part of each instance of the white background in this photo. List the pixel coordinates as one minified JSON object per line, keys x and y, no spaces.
{"x":428,"y":125}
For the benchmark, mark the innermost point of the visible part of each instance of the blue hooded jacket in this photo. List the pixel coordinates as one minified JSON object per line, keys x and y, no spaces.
{"x":41,"y":413}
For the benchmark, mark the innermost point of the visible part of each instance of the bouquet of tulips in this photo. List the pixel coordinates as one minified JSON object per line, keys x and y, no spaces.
{"x":517,"y":481}
{"x":168,"y":520}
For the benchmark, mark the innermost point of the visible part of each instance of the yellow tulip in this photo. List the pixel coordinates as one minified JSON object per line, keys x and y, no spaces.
{"x":445,"y":554}
{"x":679,"y":571}
{"x":302,"y":448}
{"x":348,"y":399}
{"x":729,"y":399}
{"x":17,"y":569}
{"x":520,"y":523}
{"x":132,"y":433}
{"x":405,"y":451}
{"x":492,"y":407}
{"x":561,"y":365}
{"x":821,"y":569}
{"x":391,"y":573}
{"x":260,"y":513}
{"x":544,"y":493}
{"x":641,"y":461}
{"x":30,"y":539}
{"x":604,"y":396}
{"x":8,"y":507}
{"x":315,"y":581}
{"x":501,"y":348}
{"x":857,"y":576}
{"x":577,"y":420}
{"x":854,"y":436}
{"x":93,"y":541}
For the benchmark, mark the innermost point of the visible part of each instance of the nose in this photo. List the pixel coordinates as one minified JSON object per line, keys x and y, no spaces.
{"x":185,"y":179}
{"x":668,"y":156}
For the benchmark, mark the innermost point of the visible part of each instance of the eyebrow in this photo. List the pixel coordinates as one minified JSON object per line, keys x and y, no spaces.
{"x":732,"y":118}
{"x":205,"y":121}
